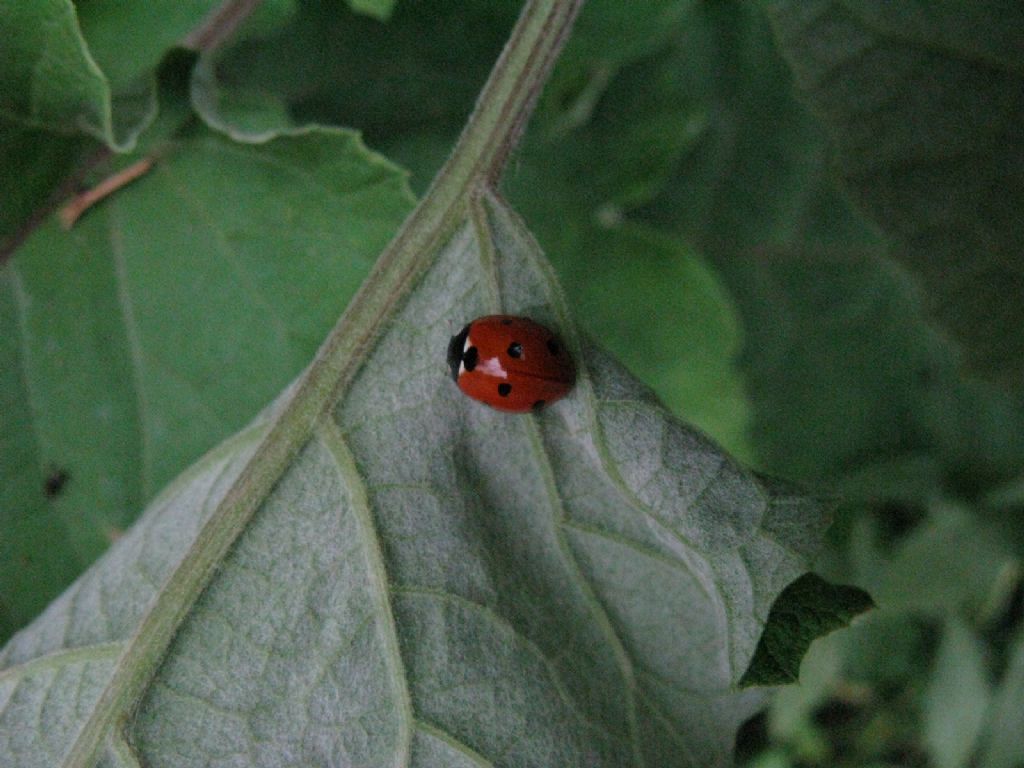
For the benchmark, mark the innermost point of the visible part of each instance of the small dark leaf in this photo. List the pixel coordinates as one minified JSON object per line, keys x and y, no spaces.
{"x":807,"y":609}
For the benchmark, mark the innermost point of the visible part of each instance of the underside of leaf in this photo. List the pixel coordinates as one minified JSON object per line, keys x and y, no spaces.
{"x":433,"y":583}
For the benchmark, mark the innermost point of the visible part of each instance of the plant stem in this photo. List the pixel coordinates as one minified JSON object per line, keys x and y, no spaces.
{"x":219,"y":25}
{"x":477,"y":161}
{"x":80,"y":203}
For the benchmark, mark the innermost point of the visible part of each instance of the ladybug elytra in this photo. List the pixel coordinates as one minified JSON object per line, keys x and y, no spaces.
{"x":510,"y":363}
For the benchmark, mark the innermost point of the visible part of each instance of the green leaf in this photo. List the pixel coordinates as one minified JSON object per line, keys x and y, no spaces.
{"x":843,"y":369}
{"x":792,"y":709}
{"x":848,"y":380}
{"x":169,"y":315}
{"x":49,"y":79}
{"x":889,"y":647}
{"x":128,"y":40}
{"x":245,"y":114}
{"x":427,"y":569}
{"x":947,"y":564}
{"x":807,"y":609}
{"x":612,"y":33}
{"x":40,"y":161}
{"x":379,"y":9}
{"x":89,"y":70}
{"x":839,"y":362}
{"x":957,"y":697}
{"x":1003,"y":747}
{"x":686,"y":351}
{"x":620,"y":130}
{"x":925,"y":108}
{"x":760,"y":174}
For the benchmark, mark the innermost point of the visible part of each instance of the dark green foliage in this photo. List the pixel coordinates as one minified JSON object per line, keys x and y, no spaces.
{"x":807,"y":609}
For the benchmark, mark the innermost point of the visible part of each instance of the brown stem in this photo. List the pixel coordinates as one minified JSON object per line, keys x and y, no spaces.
{"x":219,"y":25}
{"x":80,"y":203}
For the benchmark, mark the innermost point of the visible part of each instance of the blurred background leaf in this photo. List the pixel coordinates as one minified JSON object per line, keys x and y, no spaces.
{"x":925,"y":105}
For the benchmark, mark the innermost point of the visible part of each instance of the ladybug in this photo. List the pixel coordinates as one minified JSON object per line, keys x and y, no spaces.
{"x":510,"y":363}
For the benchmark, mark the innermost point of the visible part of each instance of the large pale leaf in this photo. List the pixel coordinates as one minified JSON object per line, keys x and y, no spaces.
{"x":925,"y":104}
{"x":430,"y":582}
{"x":160,"y":324}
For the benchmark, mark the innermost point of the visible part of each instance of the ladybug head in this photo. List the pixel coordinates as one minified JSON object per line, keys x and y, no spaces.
{"x":455,"y":347}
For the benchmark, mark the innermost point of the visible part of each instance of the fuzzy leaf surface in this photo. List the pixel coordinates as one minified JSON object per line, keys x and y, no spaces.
{"x":433,"y":583}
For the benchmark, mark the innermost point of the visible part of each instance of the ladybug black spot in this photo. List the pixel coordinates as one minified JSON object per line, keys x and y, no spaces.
{"x":553,"y":347}
{"x":538,"y":405}
{"x":469,"y":359}
{"x":504,"y":389}
{"x":515,"y":349}
{"x":506,"y":321}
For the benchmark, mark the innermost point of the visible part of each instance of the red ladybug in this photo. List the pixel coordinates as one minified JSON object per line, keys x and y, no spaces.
{"x":510,"y":363}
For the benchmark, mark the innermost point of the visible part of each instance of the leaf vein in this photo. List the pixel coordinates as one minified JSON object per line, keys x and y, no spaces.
{"x":451,"y":741}
{"x":330,"y":435}
{"x":489,"y":613}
